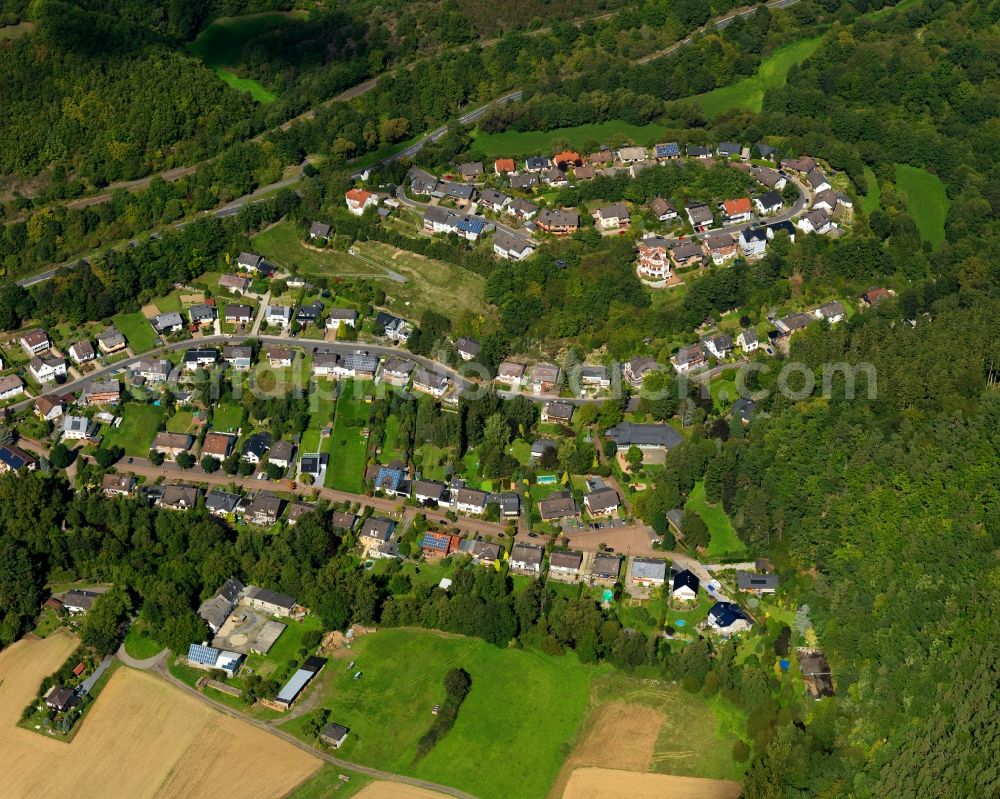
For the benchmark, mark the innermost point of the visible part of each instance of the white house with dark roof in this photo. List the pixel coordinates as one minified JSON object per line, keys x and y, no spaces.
{"x":648,"y":572}
{"x":832,"y":312}
{"x":510,"y":247}
{"x":747,"y":340}
{"x":341,"y":316}
{"x":82,"y":351}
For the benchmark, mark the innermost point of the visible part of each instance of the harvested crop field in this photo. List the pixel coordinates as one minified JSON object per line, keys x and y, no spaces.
{"x":620,"y":736}
{"x":173,"y":744}
{"x":604,"y":783}
{"x":396,"y":790}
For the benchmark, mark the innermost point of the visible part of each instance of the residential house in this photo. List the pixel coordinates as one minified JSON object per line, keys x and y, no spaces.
{"x":653,"y":263}
{"x":585,"y":172}
{"x":684,"y":586}
{"x":558,"y":505}
{"x":559,"y":222}
{"x":494,"y":200}
{"x":48,"y":408}
{"x":522,"y":209}
{"x":747,"y":340}
{"x":826,"y":200}
{"x":111,"y":341}
{"x":279,"y":357}
{"x":721,"y":247}
{"x":281,"y":454}
{"x":238,"y":314}
{"x":689,"y":358}
{"x":341,"y":316}
{"x":457,"y":191}
{"x":376,"y":530}
{"x":251,"y":262}
{"x":565,"y":564}
{"x":544,"y":378}
{"x":314,"y":464}
{"x":311,"y":312}
{"x":567,"y":159}
{"x":756,"y":583}
{"x":320,"y":231}
{"x":256,"y":447}
{"x":720,"y":345}
{"x":601,"y":157}
{"x":698,"y":151}
{"x":793,"y":323}
{"x":700,"y":216}
{"x":766,"y":151}
{"x":511,"y":247}
{"x":471,"y":170}
{"x":873,"y":297}
{"x":555,"y":178}
{"x":218,"y":445}
{"x":644,"y":436}
{"x":358,"y":364}
{"x":428,"y":491}
{"x":153,"y":371}
{"x":511,"y":373}
{"x":832,"y":312}
{"x":753,"y":242}
{"x":429,"y":382}
{"x":538,"y":163}
{"x":602,"y":502}
{"x":77,"y":428}
{"x":80,"y":600}
{"x":438,"y":545}
{"x":396,"y":371}
{"x":468,"y":348}
{"x":667,"y":151}
{"x":816,"y":673}
{"x":612,"y":217}
{"x":60,"y":698}
{"x":202,"y":314}
{"x":471,"y":501}
{"x":742,"y":410}
{"x":509,"y":503}
{"x":542,"y":445}
{"x":737,"y":211}
{"x":102,"y":392}
{"x":14,"y":459}
{"x":179,"y":497}
{"x":524,"y":182}
{"x":526,"y":558}
{"x":199,"y":358}
{"x":82,"y":351}
{"x":341,"y":520}
{"x":817,"y":181}
{"x":768,"y":203}
{"x":279,"y":315}
{"x":171,"y":445}
{"x":421,"y":182}
{"x":637,"y":367}
{"x":216,"y":609}
{"x":687,"y":252}
{"x":12,"y":386}
{"x":803,"y":165}
{"x":334,"y":734}
{"x":358,"y":201}
{"x":35,"y":341}
{"x":769,"y":178}
{"x":165,"y":323}
{"x":729,"y":149}
{"x":273,"y":602}
{"x":222,"y":503}
{"x":558,"y":412}
{"x":630,"y":155}
{"x":727,"y":618}
{"x":662,"y":210}
{"x":504,"y":166}
{"x":240,"y":357}
{"x":605,"y":568}
{"x":235,"y":284}
{"x":593,"y":376}
{"x":777,"y":228}
{"x":46,"y":370}
{"x":265,"y":509}
{"x":117,"y":485}
{"x":648,"y":572}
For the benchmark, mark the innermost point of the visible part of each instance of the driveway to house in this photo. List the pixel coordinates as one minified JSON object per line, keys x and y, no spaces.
{"x":145,"y":664}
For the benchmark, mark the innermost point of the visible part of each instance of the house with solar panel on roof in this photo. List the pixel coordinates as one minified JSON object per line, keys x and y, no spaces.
{"x":206,"y":657}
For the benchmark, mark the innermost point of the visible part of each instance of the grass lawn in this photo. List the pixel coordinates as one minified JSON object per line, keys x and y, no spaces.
{"x":48,"y":622}
{"x":137,"y":331}
{"x":171,"y":302}
{"x":723,"y":540}
{"x":429,"y":284}
{"x":926,"y":200}
{"x":432,"y":461}
{"x":136,"y":432}
{"x":326,"y":783}
{"x":10,"y":32}
{"x":871,"y":201}
{"x":286,"y":648}
{"x":724,"y":392}
{"x":138,"y":642}
{"x":221,"y":45}
{"x":228,"y":417}
{"x":749,"y":92}
{"x":521,"y":450}
{"x":347,"y":463}
{"x":393,"y":448}
{"x":512,"y":143}
{"x":181,"y":422}
{"x":403,"y":673}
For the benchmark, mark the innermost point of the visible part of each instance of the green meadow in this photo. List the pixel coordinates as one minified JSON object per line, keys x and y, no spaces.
{"x":926,"y":200}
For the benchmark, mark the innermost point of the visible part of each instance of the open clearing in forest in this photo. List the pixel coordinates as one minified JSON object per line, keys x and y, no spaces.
{"x":173,"y":745}
{"x":605,"y":783}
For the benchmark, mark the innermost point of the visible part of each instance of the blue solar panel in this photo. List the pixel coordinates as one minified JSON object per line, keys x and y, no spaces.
{"x":206,"y":655}
{"x":471,"y":225}
{"x":388,"y":478}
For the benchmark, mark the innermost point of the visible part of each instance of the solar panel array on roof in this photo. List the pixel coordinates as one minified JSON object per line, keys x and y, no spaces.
{"x":206,"y":655}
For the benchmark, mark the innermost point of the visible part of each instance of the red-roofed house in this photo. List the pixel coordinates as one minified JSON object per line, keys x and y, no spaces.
{"x":358,"y":200}
{"x":566,"y":159}
{"x":439,"y":544}
{"x":737,"y":211}
{"x":504,"y":165}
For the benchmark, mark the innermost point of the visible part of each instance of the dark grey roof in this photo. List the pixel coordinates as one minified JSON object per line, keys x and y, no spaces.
{"x":625,"y":434}
{"x":748,"y":581}
{"x":527,"y":553}
{"x":272,"y":597}
{"x":218,"y":500}
{"x":686,"y":579}
{"x":606,"y":565}
{"x":770,"y":198}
